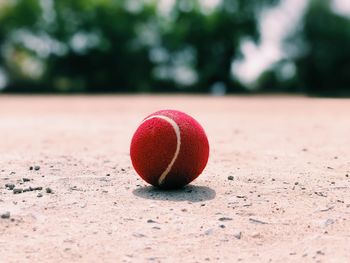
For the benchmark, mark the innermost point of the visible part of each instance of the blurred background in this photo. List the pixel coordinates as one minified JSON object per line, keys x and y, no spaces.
{"x":175,"y":46}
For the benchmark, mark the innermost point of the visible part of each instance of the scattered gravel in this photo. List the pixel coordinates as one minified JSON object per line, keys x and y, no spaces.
{"x":320,"y":194}
{"x":29,"y":189}
{"x":263,"y":227}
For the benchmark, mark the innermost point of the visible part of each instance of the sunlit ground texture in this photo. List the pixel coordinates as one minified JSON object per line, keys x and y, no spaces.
{"x":276,"y":186}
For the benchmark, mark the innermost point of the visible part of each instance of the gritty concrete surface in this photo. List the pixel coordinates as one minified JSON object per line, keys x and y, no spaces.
{"x":276,"y":188}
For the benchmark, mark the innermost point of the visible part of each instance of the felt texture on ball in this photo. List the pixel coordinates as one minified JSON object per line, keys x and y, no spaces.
{"x":169,"y":149}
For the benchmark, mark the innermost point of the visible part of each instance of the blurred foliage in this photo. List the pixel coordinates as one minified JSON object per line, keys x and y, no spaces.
{"x":147,"y":46}
{"x":123,"y":45}
{"x":319,"y":52}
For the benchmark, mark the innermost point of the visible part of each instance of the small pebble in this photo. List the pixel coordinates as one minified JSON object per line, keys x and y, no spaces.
{"x":26,"y":179}
{"x":209,"y":232}
{"x":238,"y":234}
{"x":31,"y":168}
{"x":40,"y":195}
{"x":225,"y":219}
{"x":256,"y":235}
{"x":150,"y":221}
{"x":17,"y":190}
{"x":230,"y":178}
{"x":257,"y":221}
{"x":138,"y":235}
{"x":48,"y":190}
{"x":327,"y":222}
{"x":10,"y":186}
{"x":5,"y":215}
{"x":36,"y":167}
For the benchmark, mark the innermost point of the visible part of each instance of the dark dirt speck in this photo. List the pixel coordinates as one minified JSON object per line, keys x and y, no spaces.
{"x":6,"y":215}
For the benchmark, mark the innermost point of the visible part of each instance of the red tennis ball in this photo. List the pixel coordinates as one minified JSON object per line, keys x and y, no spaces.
{"x":169,"y":149}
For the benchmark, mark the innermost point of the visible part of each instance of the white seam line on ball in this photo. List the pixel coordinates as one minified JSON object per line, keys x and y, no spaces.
{"x":178,"y":144}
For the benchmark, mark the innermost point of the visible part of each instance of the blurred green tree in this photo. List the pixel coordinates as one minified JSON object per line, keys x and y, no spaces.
{"x":319,"y":51}
{"x":324,"y":61}
{"x":124,"y":45}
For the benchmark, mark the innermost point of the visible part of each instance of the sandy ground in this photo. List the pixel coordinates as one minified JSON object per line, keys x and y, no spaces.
{"x":289,"y":200}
